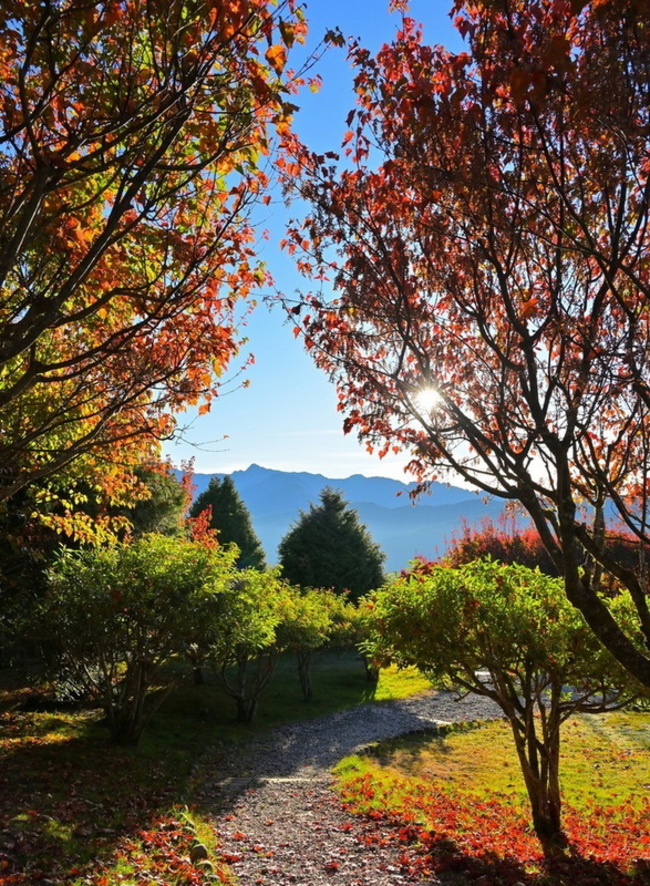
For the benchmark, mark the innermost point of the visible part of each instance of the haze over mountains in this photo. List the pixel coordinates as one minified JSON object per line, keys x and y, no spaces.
{"x":402,"y":528}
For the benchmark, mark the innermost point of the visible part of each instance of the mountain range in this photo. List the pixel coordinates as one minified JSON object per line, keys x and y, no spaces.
{"x":401,"y":527}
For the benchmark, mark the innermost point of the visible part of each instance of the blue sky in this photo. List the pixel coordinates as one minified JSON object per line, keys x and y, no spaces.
{"x":286,"y":418}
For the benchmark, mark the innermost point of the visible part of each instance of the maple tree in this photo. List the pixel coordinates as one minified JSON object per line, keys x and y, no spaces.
{"x":486,"y":236}
{"x":500,"y":542}
{"x":513,"y":544}
{"x":508,"y":633}
{"x":133,"y":139}
{"x":462,"y":826}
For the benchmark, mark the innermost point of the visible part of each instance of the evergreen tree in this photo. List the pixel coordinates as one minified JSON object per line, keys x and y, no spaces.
{"x":232,"y":520}
{"x":329,"y":547}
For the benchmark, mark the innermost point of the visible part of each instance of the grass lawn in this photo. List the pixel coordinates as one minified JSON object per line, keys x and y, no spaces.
{"x":75,"y":809}
{"x":461,"y":797}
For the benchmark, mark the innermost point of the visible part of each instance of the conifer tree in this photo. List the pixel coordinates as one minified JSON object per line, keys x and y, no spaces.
{"x":328,"y":547}
{"x":232,"y":520}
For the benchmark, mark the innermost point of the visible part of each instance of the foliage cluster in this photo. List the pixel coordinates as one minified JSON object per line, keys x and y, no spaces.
{"x":327,"y":547}
{"x":114,"y":617}
{"x":310,"y":620}
{"x":133,"y":141}
{"x":33,"y":528}
{"x":523,"y":546}
{"x":508,"y":633}
{"x":486,"y":234}
{"x":230,"y":518}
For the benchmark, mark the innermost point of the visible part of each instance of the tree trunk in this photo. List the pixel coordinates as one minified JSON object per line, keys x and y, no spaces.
{"x":199,"y":678}
{"x":539,"y":762}
{"x":246,"y":709}
{"x":304,"y":673}
{"x":546,"y":808}
{"x":372,"y":672}
{"x":125,"y":730}
{"x":128,"y":721}
{"x":247,"y":683}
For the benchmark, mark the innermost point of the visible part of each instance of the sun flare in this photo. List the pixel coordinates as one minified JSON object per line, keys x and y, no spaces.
{"x":427,"y":399}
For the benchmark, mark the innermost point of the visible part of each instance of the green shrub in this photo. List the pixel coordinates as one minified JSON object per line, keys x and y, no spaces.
{"x":508,"y":633}
{"x":116,"y":614}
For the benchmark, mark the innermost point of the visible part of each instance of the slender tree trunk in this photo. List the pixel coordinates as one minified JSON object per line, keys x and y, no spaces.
{"x":372,"y":672}
{"x":304,"y":673}
{"x":245,"y":687}
{"x":539,"y":762}
{"x":125,"y":731}
{"x":246,"y":709}
{"x":128,"y":720}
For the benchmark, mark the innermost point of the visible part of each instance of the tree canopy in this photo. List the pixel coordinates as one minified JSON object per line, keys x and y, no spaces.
{"x":133,"y":135}
{"x":508,"y":544}
{"x":244,"y":649}
{"x":487,"y":237}
{"x":508,"y":633}
{"x":231,"y":519}
{"x":115,"y":615}
{"x":328,"y":547}
{"x":310,"y":619}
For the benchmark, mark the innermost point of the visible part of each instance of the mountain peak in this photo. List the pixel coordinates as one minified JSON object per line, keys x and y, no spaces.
{"x":403,"y":528}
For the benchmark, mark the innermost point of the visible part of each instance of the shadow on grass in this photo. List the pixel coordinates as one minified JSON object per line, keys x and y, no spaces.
{"x":448,"y":862}
{"x":69,"y":799}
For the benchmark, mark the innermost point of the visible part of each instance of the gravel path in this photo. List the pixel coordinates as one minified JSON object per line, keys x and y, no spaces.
{"x":279,"y":821}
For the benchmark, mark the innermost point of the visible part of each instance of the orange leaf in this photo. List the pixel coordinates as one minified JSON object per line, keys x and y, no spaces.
{"x":276,"y":56}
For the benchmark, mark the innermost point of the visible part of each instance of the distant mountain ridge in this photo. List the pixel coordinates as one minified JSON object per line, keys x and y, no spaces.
{"x":402,"y":528}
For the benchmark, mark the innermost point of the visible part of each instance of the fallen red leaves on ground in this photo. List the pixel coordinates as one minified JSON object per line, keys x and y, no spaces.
{"x":72,"y":807}
{"x":493,"y":841}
